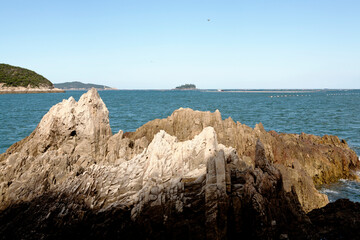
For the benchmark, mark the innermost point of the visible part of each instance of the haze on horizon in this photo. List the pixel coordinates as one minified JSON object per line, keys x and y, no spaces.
{"x":163,"y":44}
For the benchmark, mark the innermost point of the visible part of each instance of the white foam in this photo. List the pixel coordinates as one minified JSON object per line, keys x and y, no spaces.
{"x":325,"y":191}
{"x":352,"y":189}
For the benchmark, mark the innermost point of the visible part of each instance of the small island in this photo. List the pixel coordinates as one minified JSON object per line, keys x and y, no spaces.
{"x":76,"y":85}
{"x":186,"y":87}
{"x":21,"y":80}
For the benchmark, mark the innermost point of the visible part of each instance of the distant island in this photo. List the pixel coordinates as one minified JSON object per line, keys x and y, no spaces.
{"x":21,"y":80}
{"x":81,"y":86}
{"x":186,"y":87}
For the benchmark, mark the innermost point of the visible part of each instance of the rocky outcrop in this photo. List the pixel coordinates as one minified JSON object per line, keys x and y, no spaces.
{"x":192,"y":175}
{"x":325,"y":159}
{"x":192,"y":189}
{"x":69,"y":138}
{"x":304,"y":160}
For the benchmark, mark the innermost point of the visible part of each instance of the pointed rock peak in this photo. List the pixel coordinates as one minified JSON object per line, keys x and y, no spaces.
{"x":209,"y":131}
{"x":208,"y":134}
{"x":218,"y":114}
{"x":87,"y":117}
{"x":92,"y":96}
{"x":182,"y":110}
{"x":72,"y":100}
{"x":259,"y":127}
{"x":162,"y":136}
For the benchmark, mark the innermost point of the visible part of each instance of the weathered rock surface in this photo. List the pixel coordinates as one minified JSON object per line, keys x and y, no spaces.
{"x":192,"y":189}
{"x":70,"y":137}
{"x":304,"y":160}
{"x":191,"y":176}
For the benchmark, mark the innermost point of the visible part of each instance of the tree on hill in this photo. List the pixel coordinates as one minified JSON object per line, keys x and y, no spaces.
{"x":79,"y":85}
{"x":20,"y":77}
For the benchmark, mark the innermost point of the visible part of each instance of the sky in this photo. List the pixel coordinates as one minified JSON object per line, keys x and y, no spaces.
{"x":131,"y":44}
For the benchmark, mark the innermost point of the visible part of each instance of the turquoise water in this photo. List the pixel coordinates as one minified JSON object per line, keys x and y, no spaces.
{"x":324,"y":112}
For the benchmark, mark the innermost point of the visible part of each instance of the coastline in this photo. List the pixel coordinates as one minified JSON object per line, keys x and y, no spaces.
{"x":23,"y":90}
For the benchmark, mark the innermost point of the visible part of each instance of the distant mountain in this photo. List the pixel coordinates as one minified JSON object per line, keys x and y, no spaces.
{"x":186,"y":87}
{"x":12,"y":76}
{"x":79,"y":85}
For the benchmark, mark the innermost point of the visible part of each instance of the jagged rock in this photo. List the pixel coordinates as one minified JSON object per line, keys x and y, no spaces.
{"x":304,"y":160}
{"x":192,"y":175}
{"x":195,"y":188}
{"x":258,"y":195}
{"x":120,"y":148}
{"x":71,"y":136}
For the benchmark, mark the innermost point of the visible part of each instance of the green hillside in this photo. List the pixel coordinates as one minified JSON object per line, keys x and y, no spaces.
{"x":20,"y":77}
{"x":78,"y":85}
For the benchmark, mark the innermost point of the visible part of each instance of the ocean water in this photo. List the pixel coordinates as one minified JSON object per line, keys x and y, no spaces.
{"x":321,"y":112}
{"x":342,"y":189}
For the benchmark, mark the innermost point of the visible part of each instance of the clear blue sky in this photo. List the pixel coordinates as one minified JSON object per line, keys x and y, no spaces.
{"x":161,"y":44}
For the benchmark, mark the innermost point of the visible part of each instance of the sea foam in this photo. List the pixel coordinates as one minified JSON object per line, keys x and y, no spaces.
{"x":328,"y":191}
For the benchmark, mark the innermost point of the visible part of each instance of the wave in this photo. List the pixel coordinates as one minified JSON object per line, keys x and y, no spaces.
{"x":342,"y":189}
{"x":328,"y":191}
{"x":354,"y":189}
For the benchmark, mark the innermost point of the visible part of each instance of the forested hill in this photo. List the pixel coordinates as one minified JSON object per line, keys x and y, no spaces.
{"x":21,"y":77}
{"x":186,"y":87}
{"x":79,"y":85}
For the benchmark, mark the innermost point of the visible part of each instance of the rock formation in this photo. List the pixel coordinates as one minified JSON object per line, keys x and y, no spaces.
{"x":70,"y":137}
{"x":191,"y":175}
{"x":304,"y":160}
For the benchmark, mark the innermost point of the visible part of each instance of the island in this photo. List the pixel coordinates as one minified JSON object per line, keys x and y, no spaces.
{"x":186,"y":87}
{"x":76,"y":85}
{"x":21,"y":80}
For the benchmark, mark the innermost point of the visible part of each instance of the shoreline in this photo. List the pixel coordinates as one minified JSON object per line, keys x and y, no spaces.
{"x":30,"y":90}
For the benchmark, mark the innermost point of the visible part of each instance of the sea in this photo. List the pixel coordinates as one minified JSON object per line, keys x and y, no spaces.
{"x":319,"y":112}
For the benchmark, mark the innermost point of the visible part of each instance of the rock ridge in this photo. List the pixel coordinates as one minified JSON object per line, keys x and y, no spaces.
{"x":304,"y":160}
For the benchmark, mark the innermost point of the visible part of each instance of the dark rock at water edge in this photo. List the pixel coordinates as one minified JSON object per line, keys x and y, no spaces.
{"x":337,"y":220}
